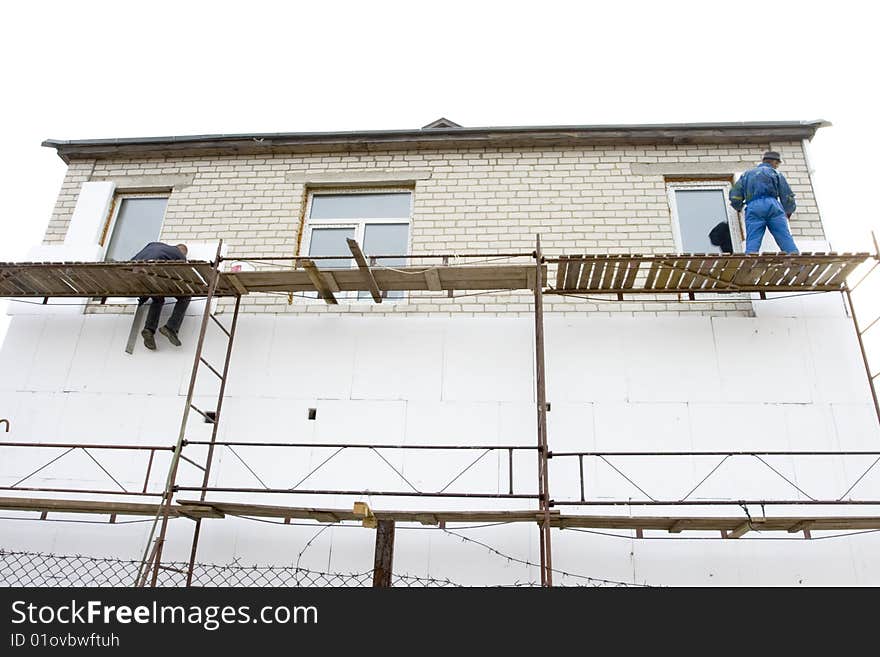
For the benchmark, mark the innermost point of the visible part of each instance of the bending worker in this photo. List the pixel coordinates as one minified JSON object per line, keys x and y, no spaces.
{"x":769,"y":204}
{"x":160,"y":251}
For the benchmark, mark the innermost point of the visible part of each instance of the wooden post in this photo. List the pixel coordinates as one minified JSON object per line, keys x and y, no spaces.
{"x":383,"y":563}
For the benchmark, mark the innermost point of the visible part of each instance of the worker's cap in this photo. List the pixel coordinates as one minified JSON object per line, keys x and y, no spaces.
{"x":772,"y":155}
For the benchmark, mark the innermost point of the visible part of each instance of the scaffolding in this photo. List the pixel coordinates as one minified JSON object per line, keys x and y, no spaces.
{"x":577,"y":276}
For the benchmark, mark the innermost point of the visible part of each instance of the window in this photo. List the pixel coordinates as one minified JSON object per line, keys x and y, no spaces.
{"x":378,"y":221}
{"x":137,"y":221}
{"x":697,"y":208}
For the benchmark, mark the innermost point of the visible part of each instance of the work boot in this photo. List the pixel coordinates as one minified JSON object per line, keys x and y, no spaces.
{"x":149,"y":339}
{"x":170,"y":334}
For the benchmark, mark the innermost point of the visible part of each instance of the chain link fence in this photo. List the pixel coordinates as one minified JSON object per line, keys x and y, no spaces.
{"x":54,"y":570}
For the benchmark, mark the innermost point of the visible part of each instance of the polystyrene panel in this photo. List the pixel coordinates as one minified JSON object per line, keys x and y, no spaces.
{"x":488,"y":360}
{"x":250,"y":356}
{"x":610,"y":558}
{"x":785,"y":304}
{"x":837,"y":362}
{"x":856,"y":426}
{"x":762,"y":360}
{"x":92,"y":353}
{"x":312,"y":358}
{"x":360,"y":422}
{"x":456,"y":423}
{"x":398,"y":359}
{"x":671,"y":360}
{"x":738,"y":427}
{"x":19,"y":350}
{"x":90,"y":213}
{"x":586,"y":360}
{"x":811,"y":428}
{"x":53,"y":359}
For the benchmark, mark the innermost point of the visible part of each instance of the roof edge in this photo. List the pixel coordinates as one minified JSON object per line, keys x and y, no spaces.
{"x":719,"y":132}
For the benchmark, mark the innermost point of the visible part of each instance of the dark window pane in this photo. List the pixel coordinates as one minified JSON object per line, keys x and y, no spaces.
{"x":699,"y":210}
{"x":331,"y":242}
{"x":138,"y":223}
{"x":361,"y":206}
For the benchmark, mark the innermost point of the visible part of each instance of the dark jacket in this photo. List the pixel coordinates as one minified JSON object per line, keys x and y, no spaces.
{"x":720,"y":237}
{"x":159,"y":251}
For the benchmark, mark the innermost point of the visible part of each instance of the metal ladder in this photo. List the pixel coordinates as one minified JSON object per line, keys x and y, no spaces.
{"x":151,"y":563}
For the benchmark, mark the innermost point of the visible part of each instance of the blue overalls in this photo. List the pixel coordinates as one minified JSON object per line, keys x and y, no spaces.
{"x":768,"y":199}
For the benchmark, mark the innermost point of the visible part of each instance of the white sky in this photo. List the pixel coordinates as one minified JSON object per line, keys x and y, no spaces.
{"x":76,"y":70}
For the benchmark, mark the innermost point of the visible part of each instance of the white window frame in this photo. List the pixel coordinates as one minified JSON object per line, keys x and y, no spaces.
{"x":117,"y":206}
{"x":111,"y":226}
{"x":359,"y":226}
{"x":736,"y":232}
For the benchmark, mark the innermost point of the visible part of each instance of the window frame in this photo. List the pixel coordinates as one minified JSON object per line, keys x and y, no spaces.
{"x":118,"y":199}
{"x":359,"y":225}
{"x":737,"y":232}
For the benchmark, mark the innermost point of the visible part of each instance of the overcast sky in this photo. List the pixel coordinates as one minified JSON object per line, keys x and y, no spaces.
{"x":76,"y":70}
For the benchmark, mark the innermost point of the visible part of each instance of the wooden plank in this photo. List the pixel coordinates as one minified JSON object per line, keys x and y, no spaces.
{"x":561,"y":268}
{"x":432,"y":280}
{"x":632,"y":272}
{"x":840,"y":277}
{"x":572,"y":274}
{"x":587,"y":268}
{"x":233,"y":280}
{"x":598,"y":268}
{"x":366,"y":272}
{"x":663,"y":275}
{"x":817,"y":273}
{"x":620,"y":275}
{"x":608,"y":275}
{"x":383,"y":558}
{"x":800,"y":526}
{"x":136,"y":323}
{"x":688,"y":275}
{"x":319,"y":283}
{"x":730,"y":270}
{"x":330,"y":279}
{"x":743,"y":528}
{"x":713,"y":275}
{"x":652,"y":275}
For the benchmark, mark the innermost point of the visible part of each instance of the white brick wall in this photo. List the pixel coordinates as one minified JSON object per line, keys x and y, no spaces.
{"x":580,"y":200}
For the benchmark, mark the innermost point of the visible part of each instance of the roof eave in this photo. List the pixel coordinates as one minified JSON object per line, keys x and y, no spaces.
{"x":702,"y":133}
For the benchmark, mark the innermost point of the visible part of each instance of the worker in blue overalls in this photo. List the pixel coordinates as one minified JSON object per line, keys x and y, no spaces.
{"x":769,"y":204}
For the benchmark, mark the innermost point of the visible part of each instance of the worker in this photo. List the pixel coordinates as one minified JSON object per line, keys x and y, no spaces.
{"x":769,"y":204}
{"x":160,"y":251}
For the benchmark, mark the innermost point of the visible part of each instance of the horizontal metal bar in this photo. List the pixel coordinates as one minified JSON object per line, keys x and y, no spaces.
{"x":77,"y":490}
{"x":362,"y":446}
{"x":288,"y":491}
{"x":88,"y":446}
{"x":772,"y":453}
{"x":715,"y":502}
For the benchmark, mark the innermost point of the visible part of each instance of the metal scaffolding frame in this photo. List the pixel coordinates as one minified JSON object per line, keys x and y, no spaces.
{"x":618,"y":275}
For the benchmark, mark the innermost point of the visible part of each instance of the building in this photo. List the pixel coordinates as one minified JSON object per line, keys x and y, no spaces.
{"x":666,"y":372}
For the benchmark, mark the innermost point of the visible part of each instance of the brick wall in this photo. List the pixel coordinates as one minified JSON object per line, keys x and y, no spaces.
{"x":594,"y":200}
